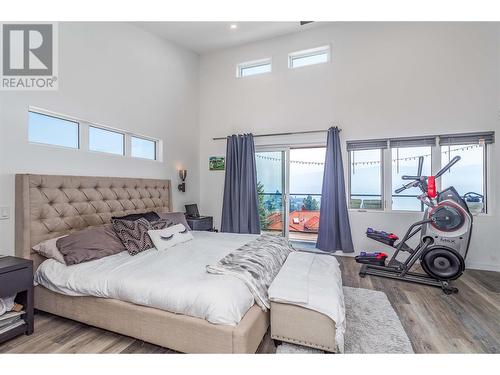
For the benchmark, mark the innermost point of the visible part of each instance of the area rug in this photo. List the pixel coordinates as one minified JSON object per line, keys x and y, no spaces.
{"x":372,"y":326}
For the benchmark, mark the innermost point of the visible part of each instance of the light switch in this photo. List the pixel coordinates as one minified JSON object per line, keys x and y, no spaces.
{"x":4,"y":213}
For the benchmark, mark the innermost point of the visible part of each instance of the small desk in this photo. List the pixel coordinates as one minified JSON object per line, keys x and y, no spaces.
{"x":205,"y":223}
{"x":16,"y":278}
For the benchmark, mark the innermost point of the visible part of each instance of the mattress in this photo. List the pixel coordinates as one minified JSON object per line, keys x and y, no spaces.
{"x":174,"y":280}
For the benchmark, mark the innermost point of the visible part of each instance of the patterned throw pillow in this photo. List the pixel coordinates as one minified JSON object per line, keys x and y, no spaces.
{"x":134,"y":234}
{"x":161,"y":224}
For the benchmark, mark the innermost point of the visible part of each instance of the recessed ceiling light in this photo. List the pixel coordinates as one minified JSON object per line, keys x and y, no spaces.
{"x":233,"y":26}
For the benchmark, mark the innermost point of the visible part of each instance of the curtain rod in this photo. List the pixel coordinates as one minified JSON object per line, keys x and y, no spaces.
{"x":279,"y":134}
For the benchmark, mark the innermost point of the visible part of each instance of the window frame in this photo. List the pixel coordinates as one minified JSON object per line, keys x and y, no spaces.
{"x":382,"y":178}
{"x":253,"y":64}
{"x":486,"y":175}
{"x":83,"y":137}
{"x":59,"y":117}
{"x":386,"y":178}
{"x":389,"y":207}
{"x":309,"y":53}
{"x":111,"y":130}
{"x":144,"y":138}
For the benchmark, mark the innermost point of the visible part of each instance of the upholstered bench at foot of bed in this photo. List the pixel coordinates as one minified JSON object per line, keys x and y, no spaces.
{"x":301,"y":326}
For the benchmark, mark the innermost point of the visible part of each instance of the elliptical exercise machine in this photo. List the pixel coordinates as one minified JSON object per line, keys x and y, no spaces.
{"x":445,"y":232}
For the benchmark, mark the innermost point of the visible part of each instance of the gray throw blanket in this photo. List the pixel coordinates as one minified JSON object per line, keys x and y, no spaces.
{"x":256,"y":264}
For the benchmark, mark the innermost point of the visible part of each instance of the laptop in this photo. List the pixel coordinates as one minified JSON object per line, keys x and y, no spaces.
{"x":192,"y":211}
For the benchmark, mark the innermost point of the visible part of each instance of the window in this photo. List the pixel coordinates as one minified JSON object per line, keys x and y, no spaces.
{"x":109,"y":141}
{"x":143,"y":148}
{"x":52,"y":130}
{"x":309,"y":57}
{"x":365,"y":179}
{"x":468,"y":175}
{"x":48,"y":128}
{"x":405,"y":162}
{"x":368,"y":184}
{"x":252,"y":68}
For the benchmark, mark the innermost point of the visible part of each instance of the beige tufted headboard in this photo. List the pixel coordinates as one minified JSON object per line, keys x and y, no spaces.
{"x":52,"y":206}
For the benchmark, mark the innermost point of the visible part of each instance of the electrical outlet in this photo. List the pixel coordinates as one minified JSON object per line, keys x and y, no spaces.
{"x":4,"y":213}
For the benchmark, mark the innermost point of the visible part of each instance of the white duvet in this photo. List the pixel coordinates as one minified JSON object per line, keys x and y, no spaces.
{"x":174,"y":280}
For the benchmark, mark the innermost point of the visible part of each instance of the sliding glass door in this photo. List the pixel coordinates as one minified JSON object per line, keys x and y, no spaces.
{"x":289,"y":190}
{"x":271,"y":190}
{"x":306,"y":180}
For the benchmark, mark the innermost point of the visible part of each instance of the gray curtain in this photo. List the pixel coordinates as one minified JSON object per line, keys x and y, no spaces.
{"x":334,"y":229}
{"x":240,"y":208}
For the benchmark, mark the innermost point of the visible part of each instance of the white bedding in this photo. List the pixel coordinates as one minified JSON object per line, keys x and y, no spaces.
{"x":313,"y":281}
{"x":174,"y":280}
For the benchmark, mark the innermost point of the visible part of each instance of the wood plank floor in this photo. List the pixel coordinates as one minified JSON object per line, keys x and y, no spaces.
{"x":468,"y":322}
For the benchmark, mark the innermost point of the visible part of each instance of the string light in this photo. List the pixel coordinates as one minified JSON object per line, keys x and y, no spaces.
{"x":369,"y":162}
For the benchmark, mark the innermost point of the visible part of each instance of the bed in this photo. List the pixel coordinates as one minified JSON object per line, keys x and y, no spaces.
{"x":50,"y":206}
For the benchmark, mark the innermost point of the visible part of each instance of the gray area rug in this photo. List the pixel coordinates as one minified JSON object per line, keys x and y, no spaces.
{"x":372,"y":326}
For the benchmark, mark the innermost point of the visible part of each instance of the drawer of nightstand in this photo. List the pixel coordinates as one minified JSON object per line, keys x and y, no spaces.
{"x":15,"y":281}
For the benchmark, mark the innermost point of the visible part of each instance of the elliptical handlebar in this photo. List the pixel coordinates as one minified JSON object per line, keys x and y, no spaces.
{"x":407,"y":186}
{"x":452,"y":162}
{"x":420,"y":180}
{"x":420,"y":165}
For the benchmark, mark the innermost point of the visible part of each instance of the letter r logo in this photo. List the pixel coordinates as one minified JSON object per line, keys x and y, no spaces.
{"x":27,"y":50}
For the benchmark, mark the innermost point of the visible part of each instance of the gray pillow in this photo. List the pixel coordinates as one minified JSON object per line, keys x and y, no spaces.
{"x":134,"y":234}
{"x":89,"y":244}
{"x":175,"y":218}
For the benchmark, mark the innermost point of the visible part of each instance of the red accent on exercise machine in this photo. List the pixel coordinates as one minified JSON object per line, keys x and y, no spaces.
{"x":431,"y":187}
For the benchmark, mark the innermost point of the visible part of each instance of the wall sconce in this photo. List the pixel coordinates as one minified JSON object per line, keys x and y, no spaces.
{"x":182,"y":176}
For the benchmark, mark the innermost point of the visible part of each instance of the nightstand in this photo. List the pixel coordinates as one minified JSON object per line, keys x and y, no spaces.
{"x":205,"y":223}
{"x":16,"y":278}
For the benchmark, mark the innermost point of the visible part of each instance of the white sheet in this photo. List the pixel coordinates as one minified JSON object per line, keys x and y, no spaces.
{"x":313,"y":281}
{"x":174,"y":280}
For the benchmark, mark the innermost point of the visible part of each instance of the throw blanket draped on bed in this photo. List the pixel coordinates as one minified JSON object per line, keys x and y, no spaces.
{"x":256,"y":264}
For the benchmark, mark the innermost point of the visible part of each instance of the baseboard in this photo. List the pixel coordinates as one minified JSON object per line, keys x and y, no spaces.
{"x":483,"y":266}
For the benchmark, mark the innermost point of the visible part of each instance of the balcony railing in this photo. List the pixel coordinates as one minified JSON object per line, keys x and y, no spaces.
{"x":296,"y":205}
{"x":370,"y":202}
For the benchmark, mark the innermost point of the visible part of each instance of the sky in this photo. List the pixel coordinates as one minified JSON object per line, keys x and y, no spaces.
{"x":304,"y":178}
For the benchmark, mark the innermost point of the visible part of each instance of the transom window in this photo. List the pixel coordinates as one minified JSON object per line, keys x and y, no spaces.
{"x":307,"y":57}
{"x":51,"y":129}
{"x":252,"y":68}
{"x":104,"y":140}
{"x":143,"y":148}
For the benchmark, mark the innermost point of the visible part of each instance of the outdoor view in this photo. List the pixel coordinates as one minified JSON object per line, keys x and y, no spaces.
{"x":366,"y":176}
{"x":405,"y":162}
{"x":366,"y":179}
{"x":306,"y":179}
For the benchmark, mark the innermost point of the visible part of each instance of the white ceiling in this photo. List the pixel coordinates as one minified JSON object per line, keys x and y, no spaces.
{"x":203,"y":37}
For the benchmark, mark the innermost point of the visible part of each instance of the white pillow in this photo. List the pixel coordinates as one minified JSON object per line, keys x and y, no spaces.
{"x":171,"y":236}
{"x":49,"y":249}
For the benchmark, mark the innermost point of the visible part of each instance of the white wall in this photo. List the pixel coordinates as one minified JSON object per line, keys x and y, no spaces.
{"x":385,"y":79}
{"x":118,"y":75}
